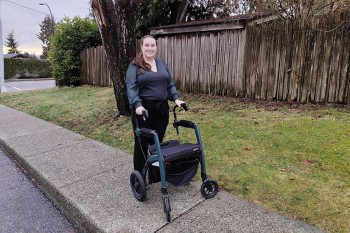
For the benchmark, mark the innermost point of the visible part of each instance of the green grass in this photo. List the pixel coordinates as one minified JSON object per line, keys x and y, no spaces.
{"x":289,"y":158}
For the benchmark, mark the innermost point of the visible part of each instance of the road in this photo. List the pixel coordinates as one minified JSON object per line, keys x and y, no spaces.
{"x":19,"y":85}
{"x":24,"y":208}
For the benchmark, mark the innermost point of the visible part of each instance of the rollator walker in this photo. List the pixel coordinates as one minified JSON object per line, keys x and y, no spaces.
{"x":178,"y":162}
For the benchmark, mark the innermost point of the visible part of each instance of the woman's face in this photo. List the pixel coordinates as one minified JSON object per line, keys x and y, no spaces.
{"x":149,"y":48}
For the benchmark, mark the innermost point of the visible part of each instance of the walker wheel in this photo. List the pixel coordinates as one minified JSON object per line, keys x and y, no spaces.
{"x":138,"y":185}
{"x":209,"y":188}
{"x":168,"y":218}
{"x":167,"y":209}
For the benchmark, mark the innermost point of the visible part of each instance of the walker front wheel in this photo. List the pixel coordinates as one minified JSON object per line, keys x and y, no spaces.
{"x":167,"y":209}
{"x":209,"y":189}
{"x":138,"y":185}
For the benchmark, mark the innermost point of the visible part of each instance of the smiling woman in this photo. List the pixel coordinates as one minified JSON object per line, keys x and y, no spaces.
{"x":149,"y":85}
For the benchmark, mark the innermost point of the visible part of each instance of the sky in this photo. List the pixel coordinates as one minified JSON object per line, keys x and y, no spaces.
{"x":24,"y":18}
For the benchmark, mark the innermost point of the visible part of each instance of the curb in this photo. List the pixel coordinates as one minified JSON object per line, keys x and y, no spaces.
{"x":28,"y":79}
{"x":69,"y":209}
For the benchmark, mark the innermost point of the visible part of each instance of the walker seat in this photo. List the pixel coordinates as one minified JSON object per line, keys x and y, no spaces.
{"x":172,"y":150}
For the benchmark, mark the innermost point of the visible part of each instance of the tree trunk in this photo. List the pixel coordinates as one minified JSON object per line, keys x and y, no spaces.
{"x":181,"y":11}
{"x":117,"y":23}
{"x":126,"y":25}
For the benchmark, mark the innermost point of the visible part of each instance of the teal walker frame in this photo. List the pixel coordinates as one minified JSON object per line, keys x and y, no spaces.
{"x":209,"y":187}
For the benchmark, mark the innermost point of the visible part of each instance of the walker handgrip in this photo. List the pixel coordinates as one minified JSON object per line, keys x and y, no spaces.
{"x":185,"y":106}
{"x":145,"y":114}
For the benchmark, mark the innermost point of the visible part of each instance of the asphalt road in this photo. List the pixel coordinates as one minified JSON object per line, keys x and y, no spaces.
{"x":12,"y":86}
{"x":24,"y":208}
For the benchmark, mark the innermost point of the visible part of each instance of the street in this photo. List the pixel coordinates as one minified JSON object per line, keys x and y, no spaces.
{"x":24,"y":208}
{"x":19,"y":85}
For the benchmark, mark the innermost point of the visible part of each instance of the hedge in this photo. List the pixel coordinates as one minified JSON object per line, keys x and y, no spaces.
{"x":27,"y":68}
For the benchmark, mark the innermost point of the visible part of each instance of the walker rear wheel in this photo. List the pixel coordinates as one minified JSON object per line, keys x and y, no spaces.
{"x":209,"y":189}
{"x":138,"y":185}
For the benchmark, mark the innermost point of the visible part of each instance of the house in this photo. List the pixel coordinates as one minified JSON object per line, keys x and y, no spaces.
{"x":15,"y":55}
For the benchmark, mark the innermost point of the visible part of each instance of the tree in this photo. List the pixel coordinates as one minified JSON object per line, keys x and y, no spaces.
{"x":160,"y":12}
{"x":302,"y":10}
{"x":117,"y":23}
{"x":11,"y":43}
{"x":163,"y":12}
{"x":46,"y":32}
{"x":71,"y":36}
{"x":207,"y":9}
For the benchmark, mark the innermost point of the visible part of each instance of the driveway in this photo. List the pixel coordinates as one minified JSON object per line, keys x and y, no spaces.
{"x":24,"y":85}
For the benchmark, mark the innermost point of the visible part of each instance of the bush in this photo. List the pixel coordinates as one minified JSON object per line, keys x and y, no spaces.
{"x":71,"y":36}
{"x":26,"y":68}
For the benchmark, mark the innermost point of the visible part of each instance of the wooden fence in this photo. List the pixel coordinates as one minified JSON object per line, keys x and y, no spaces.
{"x":295,"y":62}
{"x":278,"y":60}
{"x":206,"y":62}
{"x":94,"y":69}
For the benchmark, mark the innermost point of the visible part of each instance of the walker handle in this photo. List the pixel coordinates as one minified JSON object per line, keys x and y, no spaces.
{"x":185,"y":107}
{"x":145,"y":114}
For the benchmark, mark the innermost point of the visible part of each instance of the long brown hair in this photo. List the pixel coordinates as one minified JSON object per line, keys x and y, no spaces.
{"x":139,"y":61}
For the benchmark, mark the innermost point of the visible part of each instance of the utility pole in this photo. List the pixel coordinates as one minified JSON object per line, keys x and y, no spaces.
{"x":2,"y":75}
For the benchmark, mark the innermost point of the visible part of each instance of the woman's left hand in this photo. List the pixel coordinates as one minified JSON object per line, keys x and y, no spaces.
{"x":179,"y":102}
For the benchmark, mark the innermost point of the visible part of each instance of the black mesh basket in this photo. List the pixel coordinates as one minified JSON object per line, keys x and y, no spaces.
{"x":181,"y":162}
{"x":181,"y":172}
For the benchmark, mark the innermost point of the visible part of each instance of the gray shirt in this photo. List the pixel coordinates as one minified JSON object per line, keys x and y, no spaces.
{"x":151,"y":86}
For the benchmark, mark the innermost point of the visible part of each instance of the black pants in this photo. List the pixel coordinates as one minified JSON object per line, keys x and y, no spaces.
{"x":158,"y":120}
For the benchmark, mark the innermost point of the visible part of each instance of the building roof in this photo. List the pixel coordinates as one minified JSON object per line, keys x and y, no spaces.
{"x":14,"y":55}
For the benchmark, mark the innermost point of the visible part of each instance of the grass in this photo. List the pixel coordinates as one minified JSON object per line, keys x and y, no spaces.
{"x":289,"y":158}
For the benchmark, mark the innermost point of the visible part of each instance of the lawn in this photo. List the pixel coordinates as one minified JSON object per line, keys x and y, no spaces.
{"x":290,"y":158}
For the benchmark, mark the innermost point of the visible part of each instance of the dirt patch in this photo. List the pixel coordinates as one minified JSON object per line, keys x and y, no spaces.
{"x":273,"y":105}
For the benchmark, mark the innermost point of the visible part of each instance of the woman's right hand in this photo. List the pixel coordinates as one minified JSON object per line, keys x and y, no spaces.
{"x":139,"y":110}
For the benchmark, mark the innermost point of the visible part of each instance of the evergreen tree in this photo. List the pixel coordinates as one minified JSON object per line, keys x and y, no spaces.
{"x":46,"y":32}
{"x":11,"y":43}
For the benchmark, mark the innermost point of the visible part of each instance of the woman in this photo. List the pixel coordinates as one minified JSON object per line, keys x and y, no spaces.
{"x":149,"y":85}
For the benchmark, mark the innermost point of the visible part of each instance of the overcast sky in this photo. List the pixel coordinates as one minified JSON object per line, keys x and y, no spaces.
{"x":24,"y":17}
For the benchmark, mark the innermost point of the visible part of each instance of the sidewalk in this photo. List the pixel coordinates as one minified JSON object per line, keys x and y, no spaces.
{"x":89,"y":181}
{"x":27,"y":79}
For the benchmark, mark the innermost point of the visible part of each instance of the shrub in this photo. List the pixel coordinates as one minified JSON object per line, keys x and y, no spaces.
{"x":26,"y":68}
{"x":71,"y":36}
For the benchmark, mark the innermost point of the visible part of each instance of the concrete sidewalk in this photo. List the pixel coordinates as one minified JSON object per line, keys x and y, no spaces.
{"x":89,"y":181}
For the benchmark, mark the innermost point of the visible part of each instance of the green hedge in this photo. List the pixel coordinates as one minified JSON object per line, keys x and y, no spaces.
{"x":27,"y":68}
